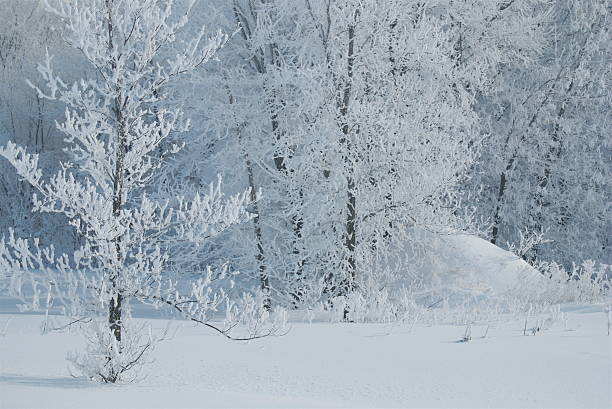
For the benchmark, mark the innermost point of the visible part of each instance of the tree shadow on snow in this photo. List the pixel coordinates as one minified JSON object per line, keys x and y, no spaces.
{"x":47,"y":381}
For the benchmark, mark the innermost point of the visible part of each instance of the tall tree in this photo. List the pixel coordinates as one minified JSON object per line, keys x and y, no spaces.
{"x":114,"y":128}
{"x":545,"y":165}
{"x":359,"y":122}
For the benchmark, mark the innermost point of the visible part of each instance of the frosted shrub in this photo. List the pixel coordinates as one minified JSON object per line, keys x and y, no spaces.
{"x":108,"y":360}
{"x":587,"y":283}
{"x":255,"y":316}
{"x":370,"y":307}
{"x":380,"y":297}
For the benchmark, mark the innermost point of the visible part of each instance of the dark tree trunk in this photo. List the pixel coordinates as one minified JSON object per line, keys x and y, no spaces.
{"x":116,"y":301}
{"x":497,"y":218}
{"x":259,"y":63}
{"x":350,"y":239}
{"x":260,"y":256}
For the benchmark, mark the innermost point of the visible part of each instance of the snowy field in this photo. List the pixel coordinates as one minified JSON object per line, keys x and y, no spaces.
{"x":328,"y":365}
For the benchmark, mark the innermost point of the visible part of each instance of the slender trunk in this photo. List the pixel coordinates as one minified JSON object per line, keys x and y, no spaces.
{"x":116,"y":301}
{"x":497,"y":217}
{"x":555,"y":151}
{"x":260,"y":256}
{"x":553,"y":154}
{"x":297,"y":223}
{"x":263,"y":275}
{"x":351,"y":203}
{"x":503,"y":176}
{"x":259,"y":63}
{"x":114,"y":315}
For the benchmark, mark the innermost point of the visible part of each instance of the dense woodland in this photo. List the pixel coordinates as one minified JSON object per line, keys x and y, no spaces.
{"x":154,"y":149}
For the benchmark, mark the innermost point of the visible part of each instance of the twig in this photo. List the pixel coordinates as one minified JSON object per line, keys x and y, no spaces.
{"x":434,"y":304}
{"x":83,"y":319}
{"x":3,"y":333}
{"x":224,"y":332}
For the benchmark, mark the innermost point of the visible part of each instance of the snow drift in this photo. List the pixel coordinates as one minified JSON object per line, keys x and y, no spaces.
{"x":462,"y":268}
{"x":473,"y":264}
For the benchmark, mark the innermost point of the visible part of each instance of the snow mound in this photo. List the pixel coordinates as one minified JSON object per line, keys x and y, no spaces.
{"x":470,"y":264}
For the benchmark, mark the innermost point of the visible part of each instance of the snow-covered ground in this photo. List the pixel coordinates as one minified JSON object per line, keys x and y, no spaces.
{"x":328,"y":365}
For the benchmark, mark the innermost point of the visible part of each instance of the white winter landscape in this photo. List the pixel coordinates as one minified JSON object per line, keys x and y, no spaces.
{"x":323,"y":365}
{"x":318,"y":362}
{"x":305,"y":203}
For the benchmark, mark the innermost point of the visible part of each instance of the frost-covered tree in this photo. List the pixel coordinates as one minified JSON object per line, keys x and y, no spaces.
{"x":25,"y":118}
{"x":120,"y":139}
{"x":397,"y":130}
{"x":357,"y":119}
{"x":242,"y":116}
{"x":545,"y":168}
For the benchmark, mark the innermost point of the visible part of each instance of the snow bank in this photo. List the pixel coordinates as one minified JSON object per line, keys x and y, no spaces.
{"x":471,"y":264}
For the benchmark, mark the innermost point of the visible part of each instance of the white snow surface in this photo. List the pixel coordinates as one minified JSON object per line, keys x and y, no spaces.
{"x":327,"y":365}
